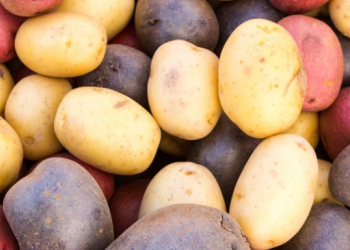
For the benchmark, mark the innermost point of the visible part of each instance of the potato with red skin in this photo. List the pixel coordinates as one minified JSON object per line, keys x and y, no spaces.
{"x":8,"y":240}
{"x":28,"y":8}
{"x":335,"y":124}
{"x":322,"y":57}
{"x":9,"y":24}
{"x":297,"y":6}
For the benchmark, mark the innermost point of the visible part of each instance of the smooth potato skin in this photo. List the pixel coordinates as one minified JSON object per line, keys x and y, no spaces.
{"x":338,"y":11}
{"x":28,"y":8}
{"x":297,"y":7}
{"x":6,"y":85}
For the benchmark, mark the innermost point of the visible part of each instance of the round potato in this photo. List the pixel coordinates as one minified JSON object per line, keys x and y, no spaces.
{"x":339,"y":11}
{"x":6,"y":85}
{"x":182,"y":89}
{"x":297,"y":7}
{"x":107,"y":130}
{"x":114,"y":15}
{"x":61,"y":44}
{"x":182,"y":182}
{"x":28,"y":8}
{"x":31,"y":108}
{"x":275,"y":191}
{"x":262,"y":79}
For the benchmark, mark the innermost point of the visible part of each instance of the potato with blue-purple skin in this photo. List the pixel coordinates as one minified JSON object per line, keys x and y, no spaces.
{"x":28,"y":8}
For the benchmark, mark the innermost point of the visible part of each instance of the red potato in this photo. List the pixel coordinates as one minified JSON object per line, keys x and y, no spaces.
{"x":335,"y":124}
{"x":297,"y":6}
{"x":125,"y":204}
{"x":9,"y":24}
{"x":7,"y":239}
{"x":28,"y":8}
{"x":322,"y":57}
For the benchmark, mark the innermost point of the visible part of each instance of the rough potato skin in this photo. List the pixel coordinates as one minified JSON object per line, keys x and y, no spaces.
{"x":183,"y":226}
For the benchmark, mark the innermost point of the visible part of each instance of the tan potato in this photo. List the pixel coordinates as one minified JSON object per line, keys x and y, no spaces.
{"x":31,"y":108}
{"x":182,"y":182}
{"x":275,"y":191}
{"x":182,"y":89}
{"x":11,"y":155}
{"x":339,"y":12}
{"x":307,"y":125}
{"x":262,"y":80}
{"x":61,"y":44}
{"x":107,"y":130}
{"x":6,"y":85}
{"x":114,"y":15}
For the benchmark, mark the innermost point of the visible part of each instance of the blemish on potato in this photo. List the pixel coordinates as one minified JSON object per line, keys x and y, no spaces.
{"x":47,"y":192}
{"x":48,"y":220}
{"x":29,"y":141}
{"x":329,"y":83}
{"x":189,"y":173}
{"x":188,"y":192}
{"x":238,"y":196}
{"x":68,"y":43}
{"x":121,"y":104}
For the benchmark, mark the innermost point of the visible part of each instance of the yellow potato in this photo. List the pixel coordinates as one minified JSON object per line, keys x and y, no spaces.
{"x":6,"y":85}
{"x":182,"y":89}
{"x":262,"y":81}
{"x":182,"y":182}
{"x":275,"y":191}
{"x":323,"y":194}
{"x":339,"y":12}
{"x":114,"y":15}
{"x":11,"y":155}
{"x":107,"y":130}
{"x":31,"y":108}
{"x":307,"y":126}
{"x":61,"y":44}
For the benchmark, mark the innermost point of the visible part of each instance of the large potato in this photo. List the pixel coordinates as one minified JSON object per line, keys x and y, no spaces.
{"x":275,"y":191}
{"x":6,"y":85}
{"x":114,"y":15}
{"x":61,"y":44}
{"x":182,"y":89}
{"x":11,"y":155}
{"x":107,"y":130}
{"x":31,"y":108}
{"x":262,"y":80}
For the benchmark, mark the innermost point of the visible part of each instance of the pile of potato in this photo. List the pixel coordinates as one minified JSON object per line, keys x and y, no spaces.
{"x":194,"y":124}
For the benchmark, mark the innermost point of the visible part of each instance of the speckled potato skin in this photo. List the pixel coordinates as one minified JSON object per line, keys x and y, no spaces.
{"x":275,"y":191}
{"x":262,"y":80}
{"x":107,"y":130}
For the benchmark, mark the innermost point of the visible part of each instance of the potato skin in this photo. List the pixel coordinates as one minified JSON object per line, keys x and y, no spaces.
{"x":338,"y":11}
{"x":6,"y":85}
{"x":71,"y":43}
{"x":297,"y":7}
{"x":28,"y":8}
{"x":183,"y":226}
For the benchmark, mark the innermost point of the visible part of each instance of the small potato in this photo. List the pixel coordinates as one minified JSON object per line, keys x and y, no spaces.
{"x":107,"y":130}
{"x":275,"y":191}
{"x":297,"y":6}
{"x":114,"y":15}
{"x":11,"y":155}
{"x":6,"y":85}
{"x":339,"y":11}
{"x":262,"y":80}
{"x":31,"y":108}
{"x":182,"y":89}
{"x":28,"y":8}
{"x":182,"y":182}
{"x":307,"y":125}
{"x":61,"y":44}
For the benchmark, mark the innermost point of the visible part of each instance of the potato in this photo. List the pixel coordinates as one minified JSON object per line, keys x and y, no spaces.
{"x":161,"y":21}
{"x":28,"y":8}
{"x":123,"y":69}
{"x":231,"y":14}
{"x":275,"y":191}
{"x":262,"y":80}
{"x":183,"y":226}
{"x":182,"y":89}
{"x":339,"y":11}
{"x":323,"y":193}
{"x":114,"y":15}
{"x":64,"y":208}
{"x":297,"y":7}
{"x":7,"y":239}
{"x":11,"y":155}
{"x":31,"y":108}
{"x":182,"y":182}
{"x":9,"y":25}
{"x":307,"y":125}
{"x":61,"y":44}
{"x":224,"y":152}
{"x":6,"y":85}
{"x":327,"y":227}
{"x":107,"y":130}
{"x":322,"y":57}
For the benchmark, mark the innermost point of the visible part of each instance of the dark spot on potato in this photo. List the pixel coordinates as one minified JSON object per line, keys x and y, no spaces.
{"x":121,"y":104}
{"x":238,"y":196}
{"x":311,"y":100}
{"x":152,"y":22}
{"x":261,"y":60}
{"x":171,"y":77}
{"x":29,"y":141}
{"x":189,"y":172}
{"x":101,"y":81}
{"x":113,"y":67}
{"x":1,"y":73}
{"x":188,"y":192}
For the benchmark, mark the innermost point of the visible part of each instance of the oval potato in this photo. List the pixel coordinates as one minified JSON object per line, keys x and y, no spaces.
{"x":107,"y":130}
{"x":182,"y":89}
{"x":31,"y":108}
{"x":262,"y":80}
{"x":275,"y":191}
{"x":182,"y":182}
{"x":6,"y":85}
{"x":339,"y":11}
{"x":61,"y":44}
